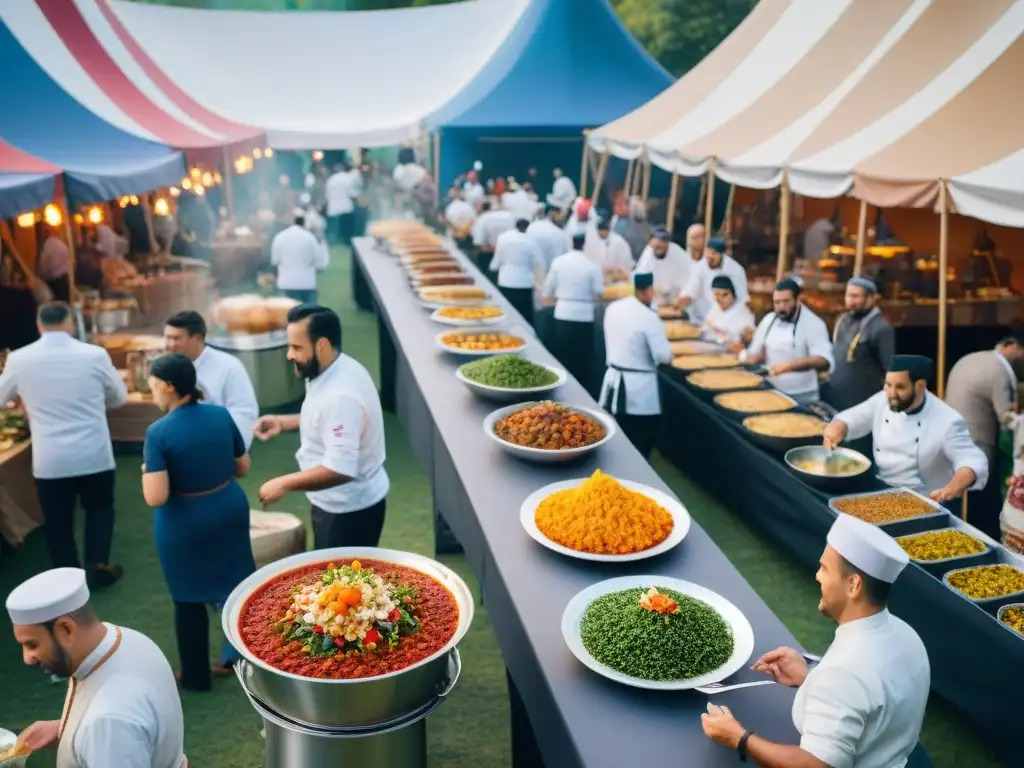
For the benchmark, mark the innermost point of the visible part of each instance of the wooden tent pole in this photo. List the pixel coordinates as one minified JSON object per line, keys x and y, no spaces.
{"x":647,"y":180}
{"x":672,"y":200}
{"x":726,"y":227}
{"x":600,"y":177}
{"x":627,"y":186}
{"x":862,"y":233}
{"x":784,"y":204}
{"x":437,"y":165}
{"x":709,"y":200}
{"x":586,"y":163}
{"x":940,"y":375}
{"x":72,"y":267}
{"x":229,"y":196}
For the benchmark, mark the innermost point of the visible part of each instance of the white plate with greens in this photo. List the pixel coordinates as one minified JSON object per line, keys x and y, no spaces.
{"x":625,"y":642}
{"x":512,"y":394}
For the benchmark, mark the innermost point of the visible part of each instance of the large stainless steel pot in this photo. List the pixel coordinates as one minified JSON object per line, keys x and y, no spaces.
{"x":265,"y":359}
{"x":347,"y":703}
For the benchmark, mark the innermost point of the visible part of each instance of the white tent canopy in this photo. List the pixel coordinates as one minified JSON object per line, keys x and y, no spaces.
{"x":324,"y":80}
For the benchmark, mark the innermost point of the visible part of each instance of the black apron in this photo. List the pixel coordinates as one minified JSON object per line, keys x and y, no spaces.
{"x":619,"y":396}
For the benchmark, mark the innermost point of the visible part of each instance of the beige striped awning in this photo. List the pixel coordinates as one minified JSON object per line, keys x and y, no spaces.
{"x":881,"y":99}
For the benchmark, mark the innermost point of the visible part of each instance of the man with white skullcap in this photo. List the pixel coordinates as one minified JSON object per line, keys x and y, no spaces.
{"x":863,"y":704}
{"x":122,"y":708}
{"x":863,"y":344}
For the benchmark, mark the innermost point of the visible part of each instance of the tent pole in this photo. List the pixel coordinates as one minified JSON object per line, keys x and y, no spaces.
{"x":229,"y":196}
{"x":783,"y":228}
{"x":600,"y":177}
{"x":862,"y":233}
{"x":627,"y":186}
{"x":437,"y":165}
{"x":72,"y":267}
{"x":8,"y":239}
{"x":709,"y":201}
{"x":672,"y":199}
{"x":727,"y":221}
{"x":647,"y":180}
{"x":585,"y":165}
{"x":940,"y":376}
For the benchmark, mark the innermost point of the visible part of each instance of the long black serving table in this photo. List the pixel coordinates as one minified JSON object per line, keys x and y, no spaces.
{"x":977,"y":664}
{"x":573,"y":717}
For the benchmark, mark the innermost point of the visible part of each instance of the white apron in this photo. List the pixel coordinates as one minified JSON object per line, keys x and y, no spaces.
{"x":614,"y":397}
{"x":784,"y":346}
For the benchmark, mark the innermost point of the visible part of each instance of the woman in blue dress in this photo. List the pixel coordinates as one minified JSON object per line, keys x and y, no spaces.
{"x":192,"y":456}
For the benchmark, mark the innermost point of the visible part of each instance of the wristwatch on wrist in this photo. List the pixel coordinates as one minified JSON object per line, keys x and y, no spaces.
{"x":741,"y":747}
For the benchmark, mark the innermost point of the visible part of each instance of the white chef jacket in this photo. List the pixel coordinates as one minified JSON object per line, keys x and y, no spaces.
{"x":339,"y":194}
{"x":698,"y":288}
{"x":671,"y":274}
{"x":634,"y":340}
{"x":519,"y":204}
{"x":516,"y":260}
{"x":609,"y":252}
{"x":943,"y":443}
{"x":54,"y":259}
{"x":316,"y":224}
{"x":341,"y":427}
{"x":489,"y":225}
{"x":783,"y":342}
{"x":473,"y":192}
{"x":577,"y":283}
{"x":407,"y":176}
{"x":66,"y":386}
{"x":863,"y":704}
{"x":459,"y":214}
{"x":126,"y":711}
{"x":224,"y":381}
{"x":563,"y":193}
{"x":550,"y":238}
{"x":298,"y":255}
{"x":575,"y":227}
{"x":728,"y":325}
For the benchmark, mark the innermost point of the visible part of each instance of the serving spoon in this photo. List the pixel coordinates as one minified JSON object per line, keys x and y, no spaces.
{"x":713,"y":688}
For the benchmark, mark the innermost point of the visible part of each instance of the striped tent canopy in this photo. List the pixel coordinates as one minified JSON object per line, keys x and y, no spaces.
{"x":883,"y":100}
{"x":26,"y":182}
{"x":83,"y":46}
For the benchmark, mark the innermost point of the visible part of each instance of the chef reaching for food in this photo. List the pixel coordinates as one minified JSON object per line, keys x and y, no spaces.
{"x":122,"y":707}
{"x":635,"y":343}
{"x":919,"y":441}
{"x":792,"y":343}
{"x":864,"y":702}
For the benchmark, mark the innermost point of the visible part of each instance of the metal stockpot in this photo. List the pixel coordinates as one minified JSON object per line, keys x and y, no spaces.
{"x":346,"y":704}
{"x":265,"y":359}
{"x":402,"y":741}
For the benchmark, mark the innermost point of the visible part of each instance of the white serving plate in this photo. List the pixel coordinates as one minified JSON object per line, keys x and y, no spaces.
{"x":680,"y":518}
{"x":504,"y":395}
{"x":460,"y":323}
{"x":433,"y":304}
{"x":482,"y":352}
{"x":742,"y":632}
{"x":539,"y":455}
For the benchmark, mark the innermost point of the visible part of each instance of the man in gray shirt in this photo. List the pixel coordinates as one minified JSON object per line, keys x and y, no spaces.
{"x":863,"y":344}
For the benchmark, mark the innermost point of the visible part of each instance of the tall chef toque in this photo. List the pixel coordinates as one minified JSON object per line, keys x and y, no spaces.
{"x":867,"y":548}
{"x":643,"y":280}
{"x":918,"y":366}
{"x":48,"y":596}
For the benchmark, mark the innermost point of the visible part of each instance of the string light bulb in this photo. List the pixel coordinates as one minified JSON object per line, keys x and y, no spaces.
{"x":160,"y":207}
{"x":199,"y":190}
{"x":79,"y":219}
{"x":52,"y":215}
{"x":195,"y":173}
{"x":268,"y":153}
{"x":123,"y":202}
{"x":133,"y":200}
{"x":175,"y":191}
{"x":318,"y":156}
{"x":95,"y":215}
{"x":186,"y":184}
{"x":27,"y":220}
{"x":257,"y":153}
{"x":207,"y":179}
{"x":217,"y":178}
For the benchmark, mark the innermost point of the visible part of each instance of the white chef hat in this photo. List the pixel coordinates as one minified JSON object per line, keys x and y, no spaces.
{"x":48,"y":596}
{"x":867,"y":548}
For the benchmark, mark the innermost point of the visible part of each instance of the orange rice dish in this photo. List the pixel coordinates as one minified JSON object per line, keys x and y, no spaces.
{"x":603,"y":517}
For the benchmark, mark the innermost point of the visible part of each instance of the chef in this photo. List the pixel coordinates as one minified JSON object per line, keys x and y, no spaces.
{"x":122,"y":707}
{"x":472,"y":189}
{"x":459,"y":215}
{"x":222,"y":377}
{"x":563,"y":193}
{"x":576,"y":284}
{"x":635,"y":344}
{"x":863,"y":343}
{"x":583,"y":219}
{"x":518,"y":261}
{"x":792,"y":342}
{"x":298,"y":256}
{"x":488,"y":226}
{"x":919,"y":441}
{"x":518,"y":202}
{"x":864,"y":702}
{"x":696,"y":241}
{"x":729,"y":322}
{"x":610,"y":251}
{"x":549,"y":237}
{"x":696,"y":297}
{"x":669,"y":263}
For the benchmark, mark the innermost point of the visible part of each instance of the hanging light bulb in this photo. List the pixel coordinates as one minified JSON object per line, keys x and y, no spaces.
{"x":186,"y":184}
{"x":27,"y":220}
{"x":52,"y":215}
{"x":318,"y":156}
{"x":175,"y":191}
{"x":79,"y":219}
{"x":207,"y":179}
{"x":268,"y":152}
{"x":160,"y":207}
{"x":199,"y":190}
{"x":133,"y":200}
{"x":95,"y":215}
{"x":217,"y":178}
{"x":257,"y":153}
{"x":195,"y":173}
{"x":123,"y":202}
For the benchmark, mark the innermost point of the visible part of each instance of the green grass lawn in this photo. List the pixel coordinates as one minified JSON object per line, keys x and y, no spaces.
{"x":471,"y":728}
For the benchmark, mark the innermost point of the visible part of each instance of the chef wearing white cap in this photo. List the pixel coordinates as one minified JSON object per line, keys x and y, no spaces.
{"x":863,"y":704}
{"x":122,"y":708}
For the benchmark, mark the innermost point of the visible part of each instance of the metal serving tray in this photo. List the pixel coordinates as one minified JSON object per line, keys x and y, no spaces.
{"x":935,"y":521}
{"x":1004,"y":609}
{"x":992,"y":604}
{"x":938,"y":568}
